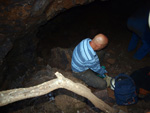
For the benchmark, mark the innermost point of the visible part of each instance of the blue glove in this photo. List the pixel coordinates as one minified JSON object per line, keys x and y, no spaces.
{"x":102,"y":72}
{"x":103,"y":76}
{"x":104,"y":69}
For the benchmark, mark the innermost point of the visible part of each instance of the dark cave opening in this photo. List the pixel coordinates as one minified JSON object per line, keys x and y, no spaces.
{"x":68,"y":28}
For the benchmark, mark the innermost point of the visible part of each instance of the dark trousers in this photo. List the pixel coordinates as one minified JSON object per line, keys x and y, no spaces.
{"x":91,"y":79}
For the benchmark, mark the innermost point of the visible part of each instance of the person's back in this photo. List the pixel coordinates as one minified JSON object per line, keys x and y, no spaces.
{"x":84,"y":57}
{"x":85,"y":62}
{"x":83,"y":54}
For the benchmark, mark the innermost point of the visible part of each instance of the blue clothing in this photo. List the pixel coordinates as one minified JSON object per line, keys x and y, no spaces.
{"x":138,"y":24}
{"x":84,"y":58}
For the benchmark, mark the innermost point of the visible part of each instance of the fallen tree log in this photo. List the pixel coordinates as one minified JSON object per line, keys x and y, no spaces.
{"x":13,"y":95}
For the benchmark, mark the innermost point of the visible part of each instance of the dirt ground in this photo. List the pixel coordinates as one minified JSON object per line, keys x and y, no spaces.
{"x":69,"y":28}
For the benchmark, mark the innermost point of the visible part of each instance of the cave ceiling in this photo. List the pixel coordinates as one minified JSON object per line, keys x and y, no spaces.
{"x":18,"y":18}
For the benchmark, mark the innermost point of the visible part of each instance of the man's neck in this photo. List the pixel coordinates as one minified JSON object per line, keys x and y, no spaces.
{"x":92,"y":45}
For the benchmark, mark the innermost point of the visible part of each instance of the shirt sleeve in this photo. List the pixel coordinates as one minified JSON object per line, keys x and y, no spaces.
{"x":94,"y":65}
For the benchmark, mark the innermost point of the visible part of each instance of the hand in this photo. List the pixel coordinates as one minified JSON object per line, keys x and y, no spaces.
{"x":104,"y":74}
{"x":104,"y":69}
{"x":108,"y":79}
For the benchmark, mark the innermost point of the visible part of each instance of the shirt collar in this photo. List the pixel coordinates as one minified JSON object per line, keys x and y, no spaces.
{"x":89,"y":46}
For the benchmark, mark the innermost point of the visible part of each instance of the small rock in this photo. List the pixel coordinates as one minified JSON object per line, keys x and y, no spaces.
{"x":68,"y":104}
{"x":111,"y":61}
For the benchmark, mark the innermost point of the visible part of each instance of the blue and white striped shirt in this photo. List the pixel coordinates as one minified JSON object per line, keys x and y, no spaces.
{"x":84,"y":57}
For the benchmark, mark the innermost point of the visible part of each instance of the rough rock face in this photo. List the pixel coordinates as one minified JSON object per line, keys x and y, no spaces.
{"x":61,"y":58}
{"x":18,"y":18}
{"x":5,"y":47}
{"x":21,"y":16}
{"x":19,"y":24}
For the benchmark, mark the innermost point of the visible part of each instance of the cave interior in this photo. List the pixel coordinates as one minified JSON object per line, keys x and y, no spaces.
{"x":65,"y":31}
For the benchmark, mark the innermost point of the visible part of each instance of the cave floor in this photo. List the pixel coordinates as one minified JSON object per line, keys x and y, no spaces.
{"x":69,"y":28}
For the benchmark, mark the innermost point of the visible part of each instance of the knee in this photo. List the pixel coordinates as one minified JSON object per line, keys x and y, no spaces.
{"x":103,"y":85}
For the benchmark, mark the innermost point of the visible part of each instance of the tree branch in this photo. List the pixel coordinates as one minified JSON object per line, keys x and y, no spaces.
{"x":13,"y":95}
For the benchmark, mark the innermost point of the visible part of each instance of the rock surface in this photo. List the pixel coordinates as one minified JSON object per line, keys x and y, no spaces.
{"x":18,"y":18}
{"x":61,"y":58}
{"x":20,"y":21}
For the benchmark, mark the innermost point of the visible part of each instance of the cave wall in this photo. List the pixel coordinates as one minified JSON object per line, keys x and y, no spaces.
{"x":18,"y":18}
{"x":19,"y":24}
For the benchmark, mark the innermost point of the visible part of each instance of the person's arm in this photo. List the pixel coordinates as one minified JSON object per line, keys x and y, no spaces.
{"x":95,"y":66}
{"x":98,"y":69}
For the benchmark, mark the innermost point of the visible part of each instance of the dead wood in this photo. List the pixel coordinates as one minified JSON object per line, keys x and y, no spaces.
{"x":13,"y":95}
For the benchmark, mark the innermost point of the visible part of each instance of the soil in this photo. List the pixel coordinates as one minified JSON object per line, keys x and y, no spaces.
{"x":68,"y":28}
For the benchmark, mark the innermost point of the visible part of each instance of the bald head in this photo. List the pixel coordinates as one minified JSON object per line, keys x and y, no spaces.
{"x":99,"y":42}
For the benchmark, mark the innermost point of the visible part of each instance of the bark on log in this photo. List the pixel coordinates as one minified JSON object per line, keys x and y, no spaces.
{"x":13,"y":95}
